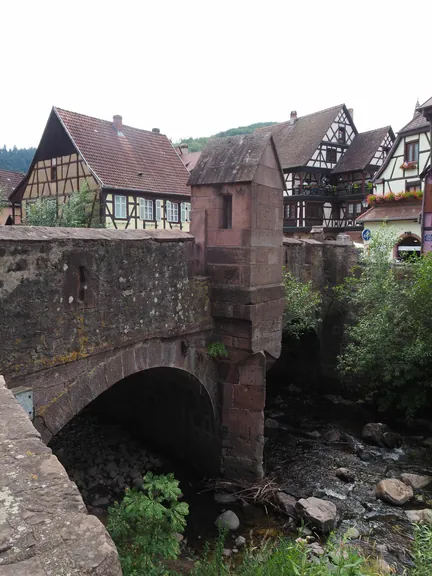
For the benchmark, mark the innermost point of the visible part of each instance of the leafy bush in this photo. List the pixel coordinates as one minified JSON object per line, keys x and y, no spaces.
{"x":388,"y":344}
{"x":144,"y":525}
{"x":302,"y":305}
{"x":75,"y":213}
{"x":217,"y":350}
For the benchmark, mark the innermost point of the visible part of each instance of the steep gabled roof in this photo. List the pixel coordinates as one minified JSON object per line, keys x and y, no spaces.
{"x":118,"y":160}
{"x":230,"y":159}
{"x":427,"y":103}
{"x":133,"y":159}
{"x":297,"y":142}
{"x":362,"y":150}
{"x":8,"y":182}
{"x":419,"y":122}
{"x":416,"y":125}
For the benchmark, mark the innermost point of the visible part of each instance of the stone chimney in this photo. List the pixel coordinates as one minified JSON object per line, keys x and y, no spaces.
{"x":293,"y":117}
{"x":118,"y":122}
{"x":156,"y":130}
{"x":351,"y":111}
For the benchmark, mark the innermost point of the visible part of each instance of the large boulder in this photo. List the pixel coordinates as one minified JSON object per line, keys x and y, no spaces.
{"x":416,"y":481}
{"x":228,"y":520}
{"x":321,"y":514}
{"x":394,"y":492}
{"x":373,"y":433}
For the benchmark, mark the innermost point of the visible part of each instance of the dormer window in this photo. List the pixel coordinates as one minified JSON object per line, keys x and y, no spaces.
{"x":341,"y":135}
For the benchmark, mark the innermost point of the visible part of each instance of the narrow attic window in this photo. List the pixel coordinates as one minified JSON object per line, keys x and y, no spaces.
{"x":331,"y":155}
{"x":53,"y":174}
{"x":227,"y":212}
{"x":341,"y":135}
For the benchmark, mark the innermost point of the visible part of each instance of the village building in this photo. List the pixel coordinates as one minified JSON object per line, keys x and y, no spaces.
{"x":8,"y":182}
{"x":407,"y":159}
{"x":398,"y":187}
{"x":136,"y":178}
{"x":328,"y":168}
{"x":189,"y":159}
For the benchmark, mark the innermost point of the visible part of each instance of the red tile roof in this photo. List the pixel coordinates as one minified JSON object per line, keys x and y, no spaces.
{"x":118,"y":159}
{"x":190,"y":159}
{"x":394,"y":211}
{"x":9,"y":181}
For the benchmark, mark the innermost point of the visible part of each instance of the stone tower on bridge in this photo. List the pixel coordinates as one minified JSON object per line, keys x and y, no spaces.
{"x":125,"y":317}
{"x":237,"y":214}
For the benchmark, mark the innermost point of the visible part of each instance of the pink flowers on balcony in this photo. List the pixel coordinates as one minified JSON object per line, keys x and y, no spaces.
{"x":374,"y":199}
{"x":409,"y":165}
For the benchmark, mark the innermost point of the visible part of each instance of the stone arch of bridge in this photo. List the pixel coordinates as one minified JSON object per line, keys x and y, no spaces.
{"x":62,"y":392}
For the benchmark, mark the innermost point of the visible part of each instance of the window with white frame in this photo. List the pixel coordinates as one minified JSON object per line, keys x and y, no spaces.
{"x":172,"y":214}
{"x":158,"y":209}
{"x":185,"y":209}
{"x":146,"y":209}
{"x":120,"y":210}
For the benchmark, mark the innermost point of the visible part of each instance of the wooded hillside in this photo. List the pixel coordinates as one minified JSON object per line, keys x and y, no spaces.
{"x":16,"y":159}
{"x":198,"y":144}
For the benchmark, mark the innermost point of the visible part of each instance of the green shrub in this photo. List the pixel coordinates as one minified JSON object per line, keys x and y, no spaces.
{"x":217,"y":350}
{"x":302,"y":305}
{"x":75,"y":213}
{"x":388,"y":342}
{"x":144,"y":525}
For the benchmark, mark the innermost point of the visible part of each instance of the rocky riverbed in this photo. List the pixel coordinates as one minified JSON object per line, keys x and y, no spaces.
{"x":338,"y":469}
{"x":378,"y":479}
{"x":102,"y":459}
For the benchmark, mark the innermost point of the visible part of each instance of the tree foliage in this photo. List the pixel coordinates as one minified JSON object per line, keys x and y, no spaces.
{"x":388,"y":347}
{"x":198,"y":144}
{"x":144,"y":525}
{"x":75,"y":213}
{"x":16,"y":159}
{"x":302,"y":305}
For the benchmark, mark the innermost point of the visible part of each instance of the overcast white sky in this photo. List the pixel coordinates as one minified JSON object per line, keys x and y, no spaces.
{"x":193,"y":68}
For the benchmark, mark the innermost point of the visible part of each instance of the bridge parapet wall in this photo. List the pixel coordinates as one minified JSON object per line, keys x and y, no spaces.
{"x":44,"y":525}
{"x":67,"y":294}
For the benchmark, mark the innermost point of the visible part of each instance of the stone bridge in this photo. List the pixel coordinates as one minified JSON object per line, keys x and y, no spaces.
{"x":85,"y":312}
{"x":129,"y":317}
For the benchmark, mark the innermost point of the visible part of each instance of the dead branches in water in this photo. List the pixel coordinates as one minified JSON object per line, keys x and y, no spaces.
{"x":264,"y":492}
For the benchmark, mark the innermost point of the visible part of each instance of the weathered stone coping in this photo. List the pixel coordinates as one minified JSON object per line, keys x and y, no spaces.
{"x":45,"y":529}
{"x":45,"y":233}
{"x":287,"y":241}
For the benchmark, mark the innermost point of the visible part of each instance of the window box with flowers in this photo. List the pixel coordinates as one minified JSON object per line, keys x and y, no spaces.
{"x":409,"y":165}
{"x":409,"y":195}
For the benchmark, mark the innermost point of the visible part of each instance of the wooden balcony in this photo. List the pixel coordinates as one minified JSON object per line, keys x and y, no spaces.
{"x":342,"y":189}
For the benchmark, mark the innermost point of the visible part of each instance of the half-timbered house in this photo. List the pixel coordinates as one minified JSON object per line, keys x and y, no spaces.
{"x":398,"y":186}
{"x":328,"y":166}
{"x":8,"y":182}
{"x":407,"y":159}
{"x":136,"y":178}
